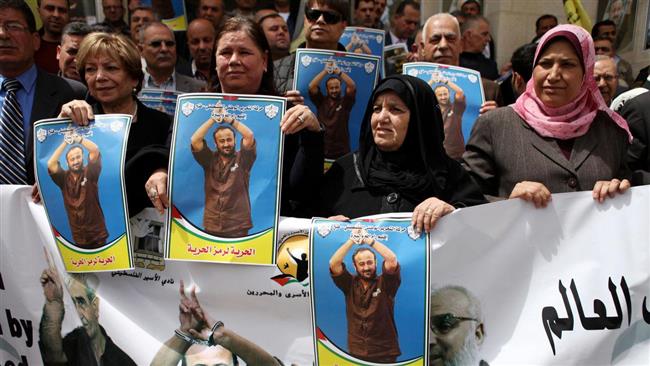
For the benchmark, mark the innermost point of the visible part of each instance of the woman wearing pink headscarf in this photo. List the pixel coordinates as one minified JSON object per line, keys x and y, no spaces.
{"x":559,"y":136}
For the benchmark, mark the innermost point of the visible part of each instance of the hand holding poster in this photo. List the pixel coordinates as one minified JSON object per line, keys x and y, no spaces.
{"x":338,"y":86}
{"x":460,"y":94}
{"x":231,"y":146}
{"x":79,"y":170}
{"x":385,"y":302}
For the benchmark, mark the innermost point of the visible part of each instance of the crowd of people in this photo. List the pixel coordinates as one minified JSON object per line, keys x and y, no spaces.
{"x":546,"y":125}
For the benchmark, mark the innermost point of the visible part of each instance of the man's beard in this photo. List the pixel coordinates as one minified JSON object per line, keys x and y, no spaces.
{"x":466,"y":356}
{"x":227,"y":154}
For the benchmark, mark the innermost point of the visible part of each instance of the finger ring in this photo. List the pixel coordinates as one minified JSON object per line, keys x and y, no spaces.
{"x":301,"y":120}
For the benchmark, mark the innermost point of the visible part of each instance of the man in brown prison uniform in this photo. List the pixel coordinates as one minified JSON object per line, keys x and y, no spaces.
{"x":333,"y":109}
{"x":80,"y":191}
{"x":369,"y":299}
{"x":227,"y":210}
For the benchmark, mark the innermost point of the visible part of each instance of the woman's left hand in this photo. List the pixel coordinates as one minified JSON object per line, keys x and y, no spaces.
{"x":609,"y":188}
{"x":297,"y":118}
{"x":427,"y":213}
{"x":156,"y":188}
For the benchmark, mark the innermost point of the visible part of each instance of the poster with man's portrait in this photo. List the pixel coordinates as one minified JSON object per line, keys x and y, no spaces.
{"x":369,"y":286}
{"x":79,"y":170}
{"x":336,"y":87}
{"x":459,"y":92}
{"x":160,"y":100}
{"x":224,"y":178}
{"x":623,"y":14}
{"x":365,"y":41}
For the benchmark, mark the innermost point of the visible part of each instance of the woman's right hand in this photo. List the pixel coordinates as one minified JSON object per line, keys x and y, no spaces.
{"x":80,"y":112}
{"x":156,"y":188}
{"x":534,"y":192}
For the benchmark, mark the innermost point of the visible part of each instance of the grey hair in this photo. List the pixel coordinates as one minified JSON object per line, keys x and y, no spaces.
{"x":149,"y":25}
{"x":439,"y":16}
{"x":90,"y":281}
{"x":474,"y":307}
{"x":471,"y":22}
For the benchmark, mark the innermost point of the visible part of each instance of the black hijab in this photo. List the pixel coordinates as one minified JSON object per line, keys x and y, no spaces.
{"x":419,"y":168}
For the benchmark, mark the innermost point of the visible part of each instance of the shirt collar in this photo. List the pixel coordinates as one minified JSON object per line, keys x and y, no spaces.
{"x":171,"y":82}
{"x":27,"y":79}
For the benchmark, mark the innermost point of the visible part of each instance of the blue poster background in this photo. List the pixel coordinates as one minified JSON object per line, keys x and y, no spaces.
{"x":410,"y":300}
{"x":363,"y":69}
{"x":468,"y":80}
{"x":110,"y":143}
{"x":188,"y":194}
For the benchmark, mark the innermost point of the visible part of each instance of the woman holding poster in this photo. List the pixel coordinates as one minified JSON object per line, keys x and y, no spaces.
{"x":401,"y":164}
{"x":110,"y":66}
{"x":244,"y":66}
{"x":559,"y":136}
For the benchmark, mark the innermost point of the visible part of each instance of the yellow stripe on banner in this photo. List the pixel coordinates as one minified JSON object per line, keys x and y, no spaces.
{"x":185,"y":245}
{"x":326,"y":356}
{"x":112,"y":258}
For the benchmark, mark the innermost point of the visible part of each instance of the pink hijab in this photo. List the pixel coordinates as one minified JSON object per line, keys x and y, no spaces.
{"x":573,"y":119}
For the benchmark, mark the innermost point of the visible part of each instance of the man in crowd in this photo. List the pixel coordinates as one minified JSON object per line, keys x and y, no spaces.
{"x":140,"y":16}
{"x":380,"y":7}
{"x":470,"y":7}
{"x":27,"y":94}
{"x":603,"y":45}
{"x":212,"y":10}
{"x":244,"y":8}
{"x":404,"y":23}
{"x":372,"y":333}
{"x":55,"y":16}
{"x":457,"y":330}
{"x":227,"y":211}
{"x":276,"y":32}
{"x":85,"y":345}
{"x":333,"y":108}
{"x":73,"y":34}
{"x":607,"y":29}
{"x":522,"y":70}
{"x":475,"y":36}
{"x":80,"y":188}
{"x":365,"y":14}
{"x":158,"y":48}
{"x":606,"y":77}
{"x":114,"y":16}
{"x":200,"y":39}
{"x":441,"y":43}
{"x":543,"y":24}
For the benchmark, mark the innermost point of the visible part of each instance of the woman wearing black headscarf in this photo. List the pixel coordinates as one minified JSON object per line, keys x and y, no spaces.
{"x":401,"y":164}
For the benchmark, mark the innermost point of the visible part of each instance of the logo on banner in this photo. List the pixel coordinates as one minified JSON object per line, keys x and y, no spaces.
{"x":413,"y":72}
{"x":187,"y":108}
{"x":305,"y":60}
{"x":472,"y":78}
{"x":271,"y":111}
{"x":369,"y":67}
{"x":293,"y":260}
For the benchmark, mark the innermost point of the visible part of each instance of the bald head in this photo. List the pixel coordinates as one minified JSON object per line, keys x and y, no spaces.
{"x":200,"y":39}
{"x":441,"y":42}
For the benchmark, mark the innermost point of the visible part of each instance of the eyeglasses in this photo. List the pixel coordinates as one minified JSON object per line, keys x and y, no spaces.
{"x":605,"y":77}
{"x":13,"y":27}
{"x":444,"y":323}
{"x":330,"y":17}
{"x":168,"y":44}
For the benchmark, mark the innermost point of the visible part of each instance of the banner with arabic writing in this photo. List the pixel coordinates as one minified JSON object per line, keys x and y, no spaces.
{"x":225,"y":178}
{"x":539,"y":280}
{"x":79,"y":170}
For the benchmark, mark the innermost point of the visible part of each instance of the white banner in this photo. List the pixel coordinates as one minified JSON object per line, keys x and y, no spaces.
{"x":515,"y":259}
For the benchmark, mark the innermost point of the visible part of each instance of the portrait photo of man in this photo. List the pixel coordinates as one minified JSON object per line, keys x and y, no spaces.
{"x":369,"y":298}
{"x":88,"y":344}
{"x":80,"y":189}
{"x":456,"y":328}
{"x":334,"y":107}
{"x":227,"y":211}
